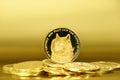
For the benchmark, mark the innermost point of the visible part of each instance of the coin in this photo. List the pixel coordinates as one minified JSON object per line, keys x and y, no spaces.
{"x":36,"y":68}
{"x":114,"y":65}
{"x":7,"y":68}
{"x":49,"y":62}
{"x":62,"y":45}
{"x":28,"y":68}
{"x":106,"y":66}
{"x":80,"y":67}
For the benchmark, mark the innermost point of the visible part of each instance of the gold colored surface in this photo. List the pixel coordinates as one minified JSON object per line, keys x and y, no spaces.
{"x":106,"y":66}
{"x":50,"y":63}
{"x":80,"y":67}
{"x":47,"y":68}
{"x":110,"y":76}
{"x":62,"y":50}
{"x":24,"y":25}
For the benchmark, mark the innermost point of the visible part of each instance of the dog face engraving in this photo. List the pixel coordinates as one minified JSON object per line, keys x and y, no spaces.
{"x":61,"y":48}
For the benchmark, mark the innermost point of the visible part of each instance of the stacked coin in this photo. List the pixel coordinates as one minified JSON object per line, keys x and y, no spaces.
{"x":81,"y":67}
{"x":27,"y":68}
{"x":73,"y":68}
{"x":106,"y":66}
{"x":8,"y":68}
{"x":36,"y":68}
{"x":54,"y":68}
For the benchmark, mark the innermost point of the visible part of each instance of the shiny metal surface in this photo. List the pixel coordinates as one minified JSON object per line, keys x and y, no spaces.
{"x":110,"y":76}
{"x":24,"y":25}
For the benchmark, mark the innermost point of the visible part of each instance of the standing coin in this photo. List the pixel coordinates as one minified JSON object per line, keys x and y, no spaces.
{"x":62,"y":45}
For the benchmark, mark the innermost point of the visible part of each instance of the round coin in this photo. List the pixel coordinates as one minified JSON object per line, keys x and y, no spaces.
{"x":50,"y":63}
{"x":80,"y":67}
{"x":106,"y":66}
{"x":56,"y":71}
{"x":28,"y":68}
{"x":62,"y":45}
{"x":7,"y":68}
{"x":114,"y":65}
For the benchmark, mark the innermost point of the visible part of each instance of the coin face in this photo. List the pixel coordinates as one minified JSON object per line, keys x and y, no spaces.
{"x":50,"y":63}
{"x":80,"y":67}
{"x":27,"y":68}
{"x":106,"y":66}
{"x":62,"y":45}
{"x":8,"y":68}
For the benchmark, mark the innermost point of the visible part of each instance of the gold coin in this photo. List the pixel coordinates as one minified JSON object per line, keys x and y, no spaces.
{"x":7,"y":68}
{"x":106,"y":66}
{"x":49,"y":62}
{"x":62,"y":45}
{"x":56,"y":71}
{"x":114,"y":65}
{"x":80,"y":67}
{"x":28,"y":68}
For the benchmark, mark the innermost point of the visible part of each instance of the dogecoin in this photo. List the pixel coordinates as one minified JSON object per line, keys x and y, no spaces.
{"x":80,"y":67}
{"x":55,"y":71}
{"x":8,"y":68}
{"x":114,"y":65}
{"x":49,"y":62}
{"x":106,"y":66}
{"x":28,"y":68}
{"x":35,"y":68}
{"x":62,"y":45}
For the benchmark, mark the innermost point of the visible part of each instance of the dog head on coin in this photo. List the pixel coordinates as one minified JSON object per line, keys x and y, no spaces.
{"x":61,"y":44}
{"x":61,"y":47}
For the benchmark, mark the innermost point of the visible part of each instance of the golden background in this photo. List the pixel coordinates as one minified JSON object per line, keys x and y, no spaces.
{"x":24,"y":24}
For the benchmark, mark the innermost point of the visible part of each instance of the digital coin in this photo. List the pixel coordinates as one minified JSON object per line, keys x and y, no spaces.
{"x":28,"y":68}
{"x":114,"y":65}
{"x":80,"y":67}
{"x":7,"y":68}
{"x":55,"y":71}
{"x":49,"y":62}
{"x":104,"y":66}
{"x":62,"y":45}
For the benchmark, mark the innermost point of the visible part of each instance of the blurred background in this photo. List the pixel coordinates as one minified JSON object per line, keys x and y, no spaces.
{"x":24,"y":24}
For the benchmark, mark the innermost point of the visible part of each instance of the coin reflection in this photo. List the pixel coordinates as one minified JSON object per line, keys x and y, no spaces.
{"x":82,"y":76}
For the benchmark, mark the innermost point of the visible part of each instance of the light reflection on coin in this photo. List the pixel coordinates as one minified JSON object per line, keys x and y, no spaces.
{"x":8,"y":68}
{"x":14,"y":77}
{"x":50,"y":63}
{"x":29,"y":65}
{"x":114,"y":65}
{"x":70,"y":77}
{"x":28,"y":68}
{"x":37,"y":68}
{"x":80,"y":67}
{"x":106,"y":66}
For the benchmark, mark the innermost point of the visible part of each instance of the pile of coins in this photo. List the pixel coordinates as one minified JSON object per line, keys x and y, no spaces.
{"x":48,"y":67}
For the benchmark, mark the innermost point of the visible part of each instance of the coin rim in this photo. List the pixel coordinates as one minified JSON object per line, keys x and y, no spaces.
{"x":75,"y":54}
